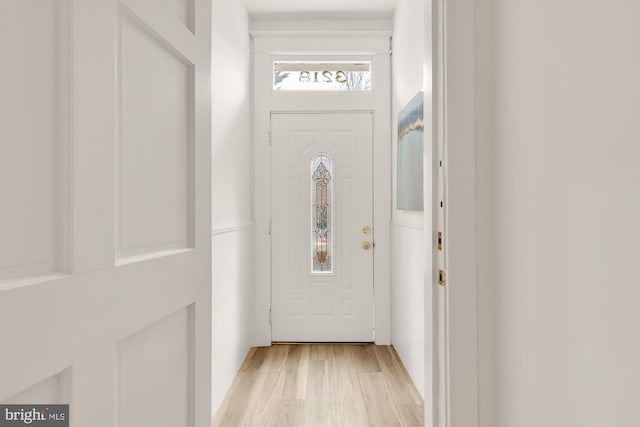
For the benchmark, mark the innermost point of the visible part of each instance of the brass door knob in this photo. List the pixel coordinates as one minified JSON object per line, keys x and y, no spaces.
{"x":366,"y":229}
{"x":366,"y":245}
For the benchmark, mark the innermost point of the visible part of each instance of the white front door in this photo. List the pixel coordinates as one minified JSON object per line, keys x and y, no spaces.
{"x":322,"y":234}
{"x":105,"y":292}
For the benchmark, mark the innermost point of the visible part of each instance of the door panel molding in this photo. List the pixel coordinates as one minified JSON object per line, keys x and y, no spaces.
{"x":160,"y":221}
{"x":35,"y":130}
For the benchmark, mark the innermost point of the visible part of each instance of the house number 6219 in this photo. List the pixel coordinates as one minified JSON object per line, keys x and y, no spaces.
{"x":323,"y":76}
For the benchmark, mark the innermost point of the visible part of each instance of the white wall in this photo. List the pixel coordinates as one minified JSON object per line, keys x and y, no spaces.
{"x":407,"y":232}
{"x":233,"y":281}
{"x":558,"y":198}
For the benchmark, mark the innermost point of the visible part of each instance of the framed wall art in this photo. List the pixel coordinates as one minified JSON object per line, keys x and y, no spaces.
{"x":410,"y":150}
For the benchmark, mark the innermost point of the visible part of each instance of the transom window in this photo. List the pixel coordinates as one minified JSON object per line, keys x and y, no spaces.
{"x":322,"y":76}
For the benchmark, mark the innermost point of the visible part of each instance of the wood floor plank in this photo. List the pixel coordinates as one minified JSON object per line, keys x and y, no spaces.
{"x":318,"y":387}
{"x":396,"y":377}
{"x":347,"y":394}
{"x":381,"y":408}
{"x":258,"y":358}
{"x":365,"y":358}
{"x":296,"y":372}
{"x":247,"y":359}
{"x":319,"y":413}
{"x":322,"y":352}
{"x":288,"y":413}
{"x":309,"y":385}
{"x":351,"y":411}
{"x":411,"y":415}
{"x":264,"y":398}
{"x":388,"y":360}
{"x":274,"y":357}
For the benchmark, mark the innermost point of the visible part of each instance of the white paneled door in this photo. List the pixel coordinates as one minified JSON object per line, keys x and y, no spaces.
{"x":322,"y":233}
{"x":105,"y":252}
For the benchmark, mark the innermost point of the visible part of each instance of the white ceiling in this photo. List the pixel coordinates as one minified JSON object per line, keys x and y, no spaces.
{"x":280,"y":6}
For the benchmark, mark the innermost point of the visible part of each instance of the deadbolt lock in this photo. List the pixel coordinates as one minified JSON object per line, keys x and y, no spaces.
{"x":366,"y":229}
{"x":366,"y":245}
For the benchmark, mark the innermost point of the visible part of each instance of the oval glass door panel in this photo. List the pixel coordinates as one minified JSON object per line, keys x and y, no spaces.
{"x":321,"y":215}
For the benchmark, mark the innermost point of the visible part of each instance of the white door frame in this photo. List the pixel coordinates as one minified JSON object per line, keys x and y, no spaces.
{"x":270,"y":45}
{"x":450,"y":67}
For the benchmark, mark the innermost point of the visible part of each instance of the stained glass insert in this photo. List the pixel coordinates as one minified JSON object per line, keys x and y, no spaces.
{"x":321,"y":214}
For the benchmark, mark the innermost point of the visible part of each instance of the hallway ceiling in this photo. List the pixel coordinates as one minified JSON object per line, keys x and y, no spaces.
{"x":280,"y":6}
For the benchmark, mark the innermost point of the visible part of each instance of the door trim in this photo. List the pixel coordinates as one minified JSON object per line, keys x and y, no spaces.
{"x":267,"y":101}
{"x":455,"y":318}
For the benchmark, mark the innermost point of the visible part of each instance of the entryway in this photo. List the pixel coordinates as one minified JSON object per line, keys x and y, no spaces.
{"x":322,"y":193}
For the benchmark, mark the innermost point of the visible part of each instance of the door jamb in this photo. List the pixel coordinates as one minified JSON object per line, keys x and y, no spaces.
{"x":455,"y":319}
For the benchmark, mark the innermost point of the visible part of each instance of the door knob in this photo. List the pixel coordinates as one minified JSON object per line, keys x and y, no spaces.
{"x":366,"y":229}
{"x":366,"y":245}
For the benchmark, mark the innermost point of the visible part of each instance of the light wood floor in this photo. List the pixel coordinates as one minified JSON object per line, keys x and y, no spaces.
{"x":304,"y":385}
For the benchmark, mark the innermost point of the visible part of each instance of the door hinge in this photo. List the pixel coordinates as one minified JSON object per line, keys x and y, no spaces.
{"x":269,"y":138}
{"x":439,"y":240}
{"x":269,"y":316}
{"x":442,"y":277}
{"x":269,"y":227}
